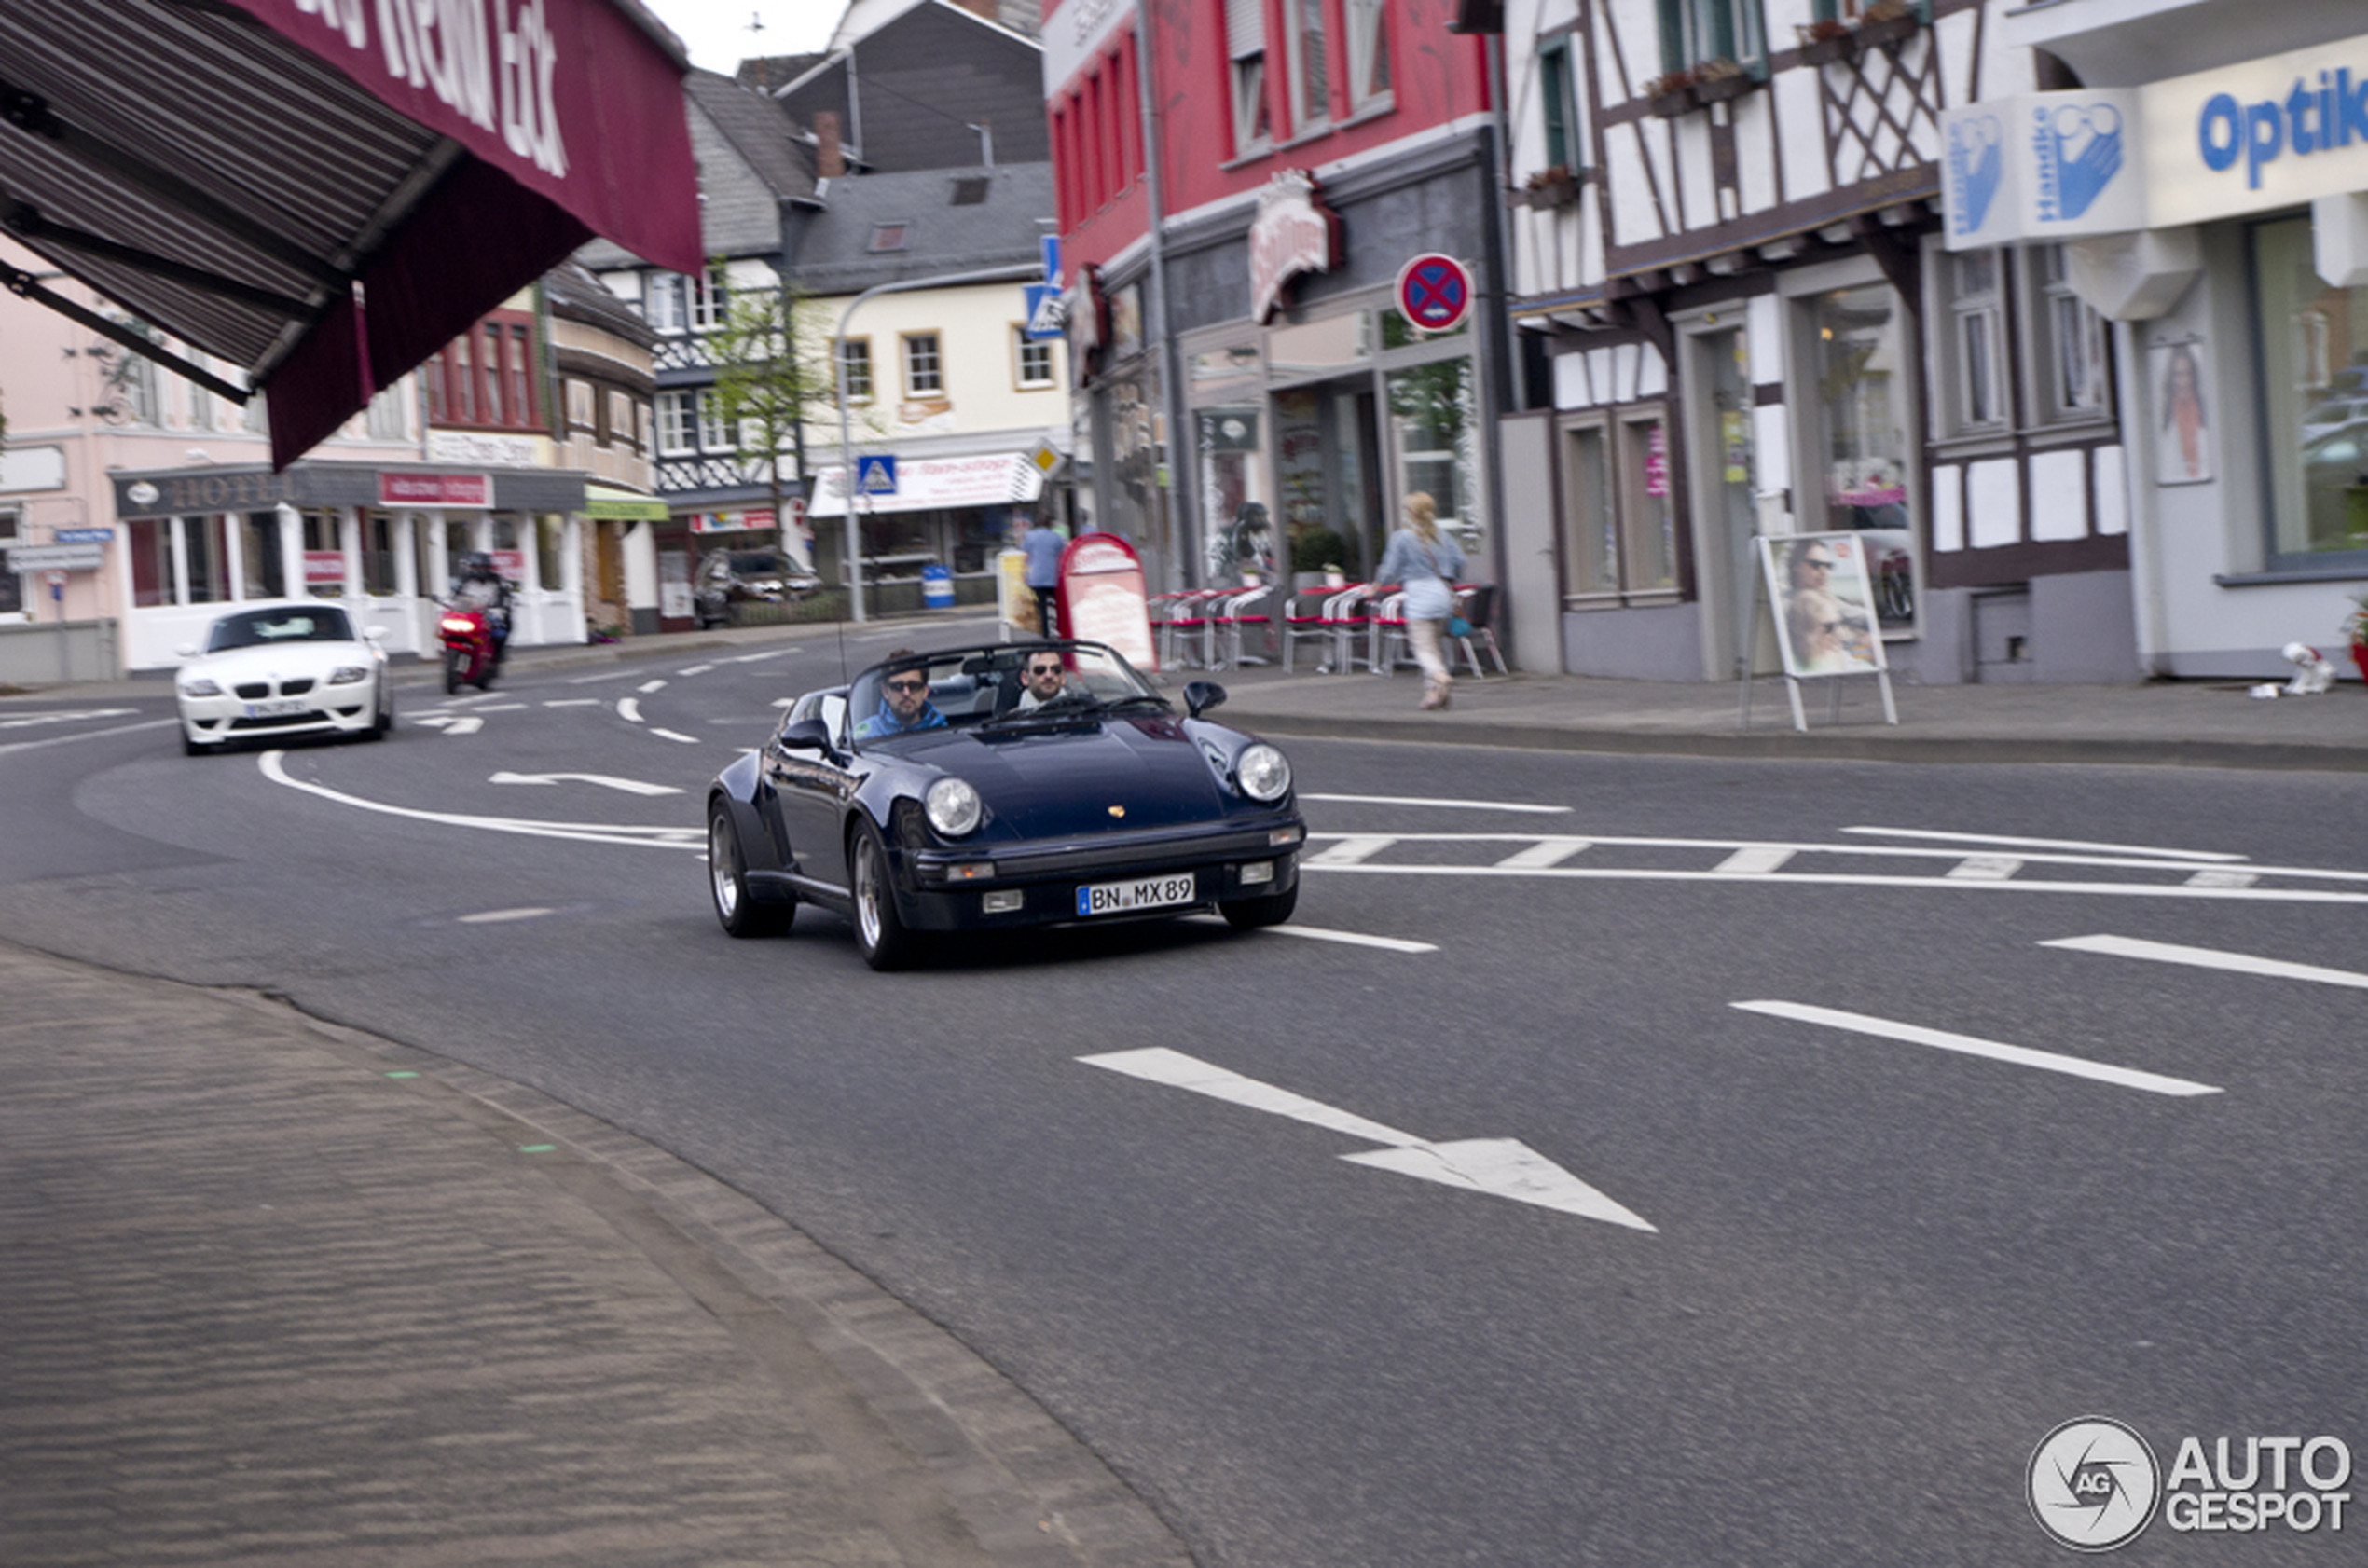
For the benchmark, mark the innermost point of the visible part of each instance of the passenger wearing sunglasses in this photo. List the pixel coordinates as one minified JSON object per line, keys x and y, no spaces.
{"x":905,"y":701}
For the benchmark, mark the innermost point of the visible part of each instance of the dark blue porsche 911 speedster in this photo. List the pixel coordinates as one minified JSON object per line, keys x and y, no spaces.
{"x":1001,"y":785}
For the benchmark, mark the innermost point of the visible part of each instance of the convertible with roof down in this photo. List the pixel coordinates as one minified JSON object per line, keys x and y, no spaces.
{"x":996,"y":786}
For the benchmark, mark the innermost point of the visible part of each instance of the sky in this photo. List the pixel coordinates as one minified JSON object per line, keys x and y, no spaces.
{"x":717,"y":32}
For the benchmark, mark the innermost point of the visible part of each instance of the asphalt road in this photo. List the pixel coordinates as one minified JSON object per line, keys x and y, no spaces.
{"x":1879,"y":1266}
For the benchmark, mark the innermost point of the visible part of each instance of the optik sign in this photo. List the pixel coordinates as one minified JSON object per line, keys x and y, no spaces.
{"x":2270,"y":132}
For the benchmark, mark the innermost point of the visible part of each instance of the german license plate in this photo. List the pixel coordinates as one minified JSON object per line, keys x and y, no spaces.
{"x":276,"y":707}
{"x":1117,"y":897}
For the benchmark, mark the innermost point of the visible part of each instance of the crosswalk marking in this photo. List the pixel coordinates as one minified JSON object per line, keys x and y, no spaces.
{"x":1985,"y":868}
{"x":1752,"y":859}
{"x":2217,"y":876}
{"x":1348,"y":850}
{"x":1941,"y":1040}
{"x":2208,"y":959}
{"x":2046,"y":843}
{"x":1543,"y":853}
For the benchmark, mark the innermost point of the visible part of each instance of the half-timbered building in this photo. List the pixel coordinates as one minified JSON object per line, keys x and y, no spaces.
{"x":1725,"y":233}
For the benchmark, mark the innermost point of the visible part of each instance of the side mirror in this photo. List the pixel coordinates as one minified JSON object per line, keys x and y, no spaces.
{"x":376,"y":634}
{"x":186,"y":651}
{"x":1202,"y":695}
{"x":806,"y":735}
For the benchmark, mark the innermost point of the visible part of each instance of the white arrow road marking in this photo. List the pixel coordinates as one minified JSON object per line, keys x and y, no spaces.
{"x":1452,"y":806}
{"x":692,"y":839}
{"x":450,"y":723}
{"x":630,"y":786}
{"x":1500,"y":1166}
{"x":2045,"y":843}
{"x":676,"y":734}
{"x":2023,"y":1057}
{"x":492,"y":917}
{"x":2208,"y":959}
{"x":646,"y":687}
{"x":628,"y":709}
{"x":68,"y":716}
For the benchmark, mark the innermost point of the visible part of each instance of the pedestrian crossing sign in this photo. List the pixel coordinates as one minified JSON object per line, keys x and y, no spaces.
{"x":875,"y":475}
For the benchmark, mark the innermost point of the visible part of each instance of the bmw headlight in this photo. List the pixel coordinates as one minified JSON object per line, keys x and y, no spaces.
{"x":953,"y":806}
{"x":200,"y":687}
{"x":346,"y":675}
{"x":1263,"y":773}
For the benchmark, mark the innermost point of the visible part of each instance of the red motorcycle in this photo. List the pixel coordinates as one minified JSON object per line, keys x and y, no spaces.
{"x":471,"y":652}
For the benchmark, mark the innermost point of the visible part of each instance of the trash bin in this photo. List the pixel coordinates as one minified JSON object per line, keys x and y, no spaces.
{"x":937,"y":588}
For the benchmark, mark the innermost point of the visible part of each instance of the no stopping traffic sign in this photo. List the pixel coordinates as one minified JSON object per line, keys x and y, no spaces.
{"x":1434,"y":292}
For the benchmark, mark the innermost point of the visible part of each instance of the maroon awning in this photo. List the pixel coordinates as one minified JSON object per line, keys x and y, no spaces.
{"x":252,"y":175}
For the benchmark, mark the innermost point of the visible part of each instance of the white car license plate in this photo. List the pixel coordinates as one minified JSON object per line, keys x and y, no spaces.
{"x":1115,"y":897}
{"x":275,"y":707}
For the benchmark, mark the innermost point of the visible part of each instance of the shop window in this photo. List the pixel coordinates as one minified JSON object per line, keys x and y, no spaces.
{"x":148,"y":540}
{"x":1369,"y":61}
{"x":1694,"y":31}
{"x":1311,"y":80}
{"x":676,"y":437}
{"x":1863,"y":424}
{"x":1618,"y":524}
{"x":1032,"y":359}
{"x":1245,"y":48}
{"x":208,"y":562}
{"x":923,"y":370}
{"x":378,"y":555}
{"x":324,"y":554}
{"x":1977,"y":340}
{"x":1434,"y":423}
{"x":855,"y":368}
{"x":2310,"y":344}
{"x":11,"y":584}
{"x":259,"y":562}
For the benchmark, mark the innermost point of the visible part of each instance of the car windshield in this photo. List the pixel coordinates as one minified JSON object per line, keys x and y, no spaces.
{"x":990,"y":686}
{"x":256,"y":628}
{"x":757,"y":563}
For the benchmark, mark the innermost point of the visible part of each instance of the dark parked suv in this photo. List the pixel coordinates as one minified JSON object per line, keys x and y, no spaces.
{"x":730,"y":577}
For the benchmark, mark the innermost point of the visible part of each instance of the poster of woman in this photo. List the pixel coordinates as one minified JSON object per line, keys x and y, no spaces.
{"x":2183,"y":434}
{"x":1824,"y":604}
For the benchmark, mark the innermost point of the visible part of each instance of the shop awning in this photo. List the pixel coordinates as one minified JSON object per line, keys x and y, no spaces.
{"x":325,"y":192}
{"x":608,"y":505}
{"x":932,"y":484}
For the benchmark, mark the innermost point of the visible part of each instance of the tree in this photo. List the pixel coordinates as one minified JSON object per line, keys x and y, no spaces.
{"x":772,"y":375}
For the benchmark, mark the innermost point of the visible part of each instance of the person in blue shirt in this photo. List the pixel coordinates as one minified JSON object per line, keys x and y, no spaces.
{"x":1045,"y":544}
{"x":1425,"y":561}
{"x":905,"y":701}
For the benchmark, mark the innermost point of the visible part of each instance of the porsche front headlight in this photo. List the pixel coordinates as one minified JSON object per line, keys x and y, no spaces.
{"x":953,"y":807}
{"x":1263,"y":773}
{"x":200,"y":687}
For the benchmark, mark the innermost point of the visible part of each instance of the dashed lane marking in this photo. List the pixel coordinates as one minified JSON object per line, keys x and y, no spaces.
{"x":494,"y":917}
{"x":2046,"y":843}
{"x":2208,"y":959}
{"x":646,"y":687}
{"x":66,"y":716}
{"x":675,"y":735}
{"x":1449,"y":805}
{"x":86,"y":734}
{"x":1941,"y":1040}
{"x":695,"y":669}
{"x":571,"y":702}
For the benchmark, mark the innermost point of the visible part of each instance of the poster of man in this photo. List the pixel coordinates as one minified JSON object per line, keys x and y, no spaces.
{"x":1824,"y":604}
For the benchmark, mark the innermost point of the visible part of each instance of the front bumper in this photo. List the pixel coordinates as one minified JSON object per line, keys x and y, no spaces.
{"x":346,"y":709}
{"x":1037,"y":883}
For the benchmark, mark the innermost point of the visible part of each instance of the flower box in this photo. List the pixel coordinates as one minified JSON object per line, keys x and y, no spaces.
{"x":1824,"y":51}
{"x":1669,"y":106}
{"x":1549,"y":188}
{"x":1716,"y":87}
{"x":1874,"y":32}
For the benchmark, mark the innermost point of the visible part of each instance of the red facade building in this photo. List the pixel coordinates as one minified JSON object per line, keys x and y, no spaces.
{"x":1234,"y":253}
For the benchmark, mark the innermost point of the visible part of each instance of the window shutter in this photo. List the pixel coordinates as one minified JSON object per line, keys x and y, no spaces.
{"x":1244,"y":28}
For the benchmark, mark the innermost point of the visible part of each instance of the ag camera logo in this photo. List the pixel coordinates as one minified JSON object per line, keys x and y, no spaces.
{"x":2093,"y":1483}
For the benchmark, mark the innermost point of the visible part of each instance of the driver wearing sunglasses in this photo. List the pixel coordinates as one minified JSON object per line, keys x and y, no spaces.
{"x":904,"y":700}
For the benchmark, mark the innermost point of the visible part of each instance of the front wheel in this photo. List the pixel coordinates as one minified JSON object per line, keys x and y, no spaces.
{"x":727,"y":876}
{"x":880,"y":934}
{"x":451,"y":671}
{"x":1244,"y":915}
{"x":382,"y":717}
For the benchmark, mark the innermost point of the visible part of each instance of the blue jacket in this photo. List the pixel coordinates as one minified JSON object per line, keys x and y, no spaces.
{"x":884,"y":723}
{"x":1043,"y":546}
{"x":1427,"y":572}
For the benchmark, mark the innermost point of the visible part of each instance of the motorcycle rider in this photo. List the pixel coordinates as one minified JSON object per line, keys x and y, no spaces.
{"x":481,"y":587}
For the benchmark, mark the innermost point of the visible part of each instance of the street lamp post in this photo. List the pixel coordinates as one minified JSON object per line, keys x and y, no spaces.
{"x":1018,"y":273}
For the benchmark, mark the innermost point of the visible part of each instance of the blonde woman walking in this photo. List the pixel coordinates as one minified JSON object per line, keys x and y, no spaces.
{"x":1424,"y":563}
